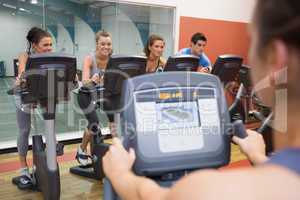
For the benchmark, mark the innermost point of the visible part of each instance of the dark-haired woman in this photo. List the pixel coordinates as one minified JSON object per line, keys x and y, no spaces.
{"x":154,"y":50}
{"x":39,"y":41}
{"x":275,"y":50}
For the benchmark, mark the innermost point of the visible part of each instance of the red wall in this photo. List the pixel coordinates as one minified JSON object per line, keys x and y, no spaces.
{"x":223,"y":37}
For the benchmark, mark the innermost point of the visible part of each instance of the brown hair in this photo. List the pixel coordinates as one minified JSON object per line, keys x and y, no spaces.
{"x":102,"y":34}
{"x":277,"y":19}
{"x":198,"y":36}
{"x":34,"y":36}
{"x":152,"y":38}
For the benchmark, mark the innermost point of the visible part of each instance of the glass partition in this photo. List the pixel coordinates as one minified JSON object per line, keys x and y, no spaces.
{"x":73,"y":24}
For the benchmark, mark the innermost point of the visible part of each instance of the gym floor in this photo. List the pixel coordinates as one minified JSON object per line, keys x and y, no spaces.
{"x":67,"y":121}
{"x":72,"y":187}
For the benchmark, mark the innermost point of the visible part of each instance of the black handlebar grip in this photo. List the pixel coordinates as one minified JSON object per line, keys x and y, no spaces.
{"x":239,"y":129}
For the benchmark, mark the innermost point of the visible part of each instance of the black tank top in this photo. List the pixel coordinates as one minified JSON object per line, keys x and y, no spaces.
{"x":288,"y":158}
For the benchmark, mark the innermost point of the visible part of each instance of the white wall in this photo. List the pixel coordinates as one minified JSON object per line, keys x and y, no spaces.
{"x":228,"y":10}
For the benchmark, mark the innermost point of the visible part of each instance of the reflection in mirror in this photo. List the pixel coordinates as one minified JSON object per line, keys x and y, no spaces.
{"x":72,"y":25}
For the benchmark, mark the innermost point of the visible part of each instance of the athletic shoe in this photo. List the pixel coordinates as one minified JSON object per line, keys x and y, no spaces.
{"x":82,"y":157}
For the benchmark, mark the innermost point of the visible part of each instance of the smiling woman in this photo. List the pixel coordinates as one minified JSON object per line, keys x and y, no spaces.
{"x":39,"y":41}
{"x":94,"y":66}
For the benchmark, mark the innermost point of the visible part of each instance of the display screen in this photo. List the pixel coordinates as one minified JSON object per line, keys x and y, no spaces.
{"x":177,"y":115}
{"x":178,"y":118}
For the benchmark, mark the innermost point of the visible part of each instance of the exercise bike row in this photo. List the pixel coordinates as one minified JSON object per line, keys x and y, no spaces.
{"x":177,"y":122}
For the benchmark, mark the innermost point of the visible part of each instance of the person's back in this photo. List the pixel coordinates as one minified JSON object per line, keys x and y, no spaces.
{"x":272,"y":180}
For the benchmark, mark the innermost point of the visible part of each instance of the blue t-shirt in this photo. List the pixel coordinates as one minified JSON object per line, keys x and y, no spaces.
{"x":288,"y":158}
{"x":203,"y":59}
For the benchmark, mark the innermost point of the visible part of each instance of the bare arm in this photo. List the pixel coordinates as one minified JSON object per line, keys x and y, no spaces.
{"x":22,"y":59}
{"x":22,"y":63}
{"x":87,"y":63}
{"x":132,"y":187}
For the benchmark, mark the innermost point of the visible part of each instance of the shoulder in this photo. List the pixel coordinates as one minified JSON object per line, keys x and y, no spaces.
{"x":258,"y":183}
{"x":205,"y":57}
{"x":204,"y":60}
{"x":22,"y":59}
{"x":23,"y":56}
{"x":88,"y":58}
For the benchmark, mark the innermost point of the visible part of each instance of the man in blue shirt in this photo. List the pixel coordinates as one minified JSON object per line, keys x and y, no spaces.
{"x":198,"y":43}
